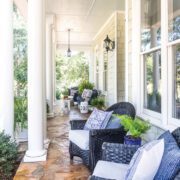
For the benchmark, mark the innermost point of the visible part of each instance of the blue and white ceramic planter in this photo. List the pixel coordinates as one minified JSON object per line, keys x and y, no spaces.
{"x":129,"y":140}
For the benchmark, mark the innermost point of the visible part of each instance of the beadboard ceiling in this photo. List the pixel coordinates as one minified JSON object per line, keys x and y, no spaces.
{"x":83,"y":17}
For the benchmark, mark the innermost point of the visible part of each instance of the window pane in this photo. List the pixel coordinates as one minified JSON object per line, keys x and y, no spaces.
{"x":152,"y":69}
{"x":151,"y":24}
{"x":174,"y":19}
{"x":105,"y":71}
{"x":176,"y":92}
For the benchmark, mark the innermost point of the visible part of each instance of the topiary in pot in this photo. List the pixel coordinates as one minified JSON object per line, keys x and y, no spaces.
{"x":8,"y":156}
{"x":85,"y":85}
{"x":135,"y":129}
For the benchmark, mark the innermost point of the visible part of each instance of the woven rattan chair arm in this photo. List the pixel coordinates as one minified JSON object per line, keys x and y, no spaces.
{"x":77,"y":124}
{"x":119,"y":153}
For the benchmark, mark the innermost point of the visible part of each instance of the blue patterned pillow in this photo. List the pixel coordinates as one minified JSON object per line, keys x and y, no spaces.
{"x":170,"y":164}
{"x":113,"y":123}
{"x":98,"y":119}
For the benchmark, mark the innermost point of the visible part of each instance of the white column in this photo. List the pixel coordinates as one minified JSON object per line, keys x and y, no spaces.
{"x":54,"y":66}
{"x":46,"y":141}
{"x":36,"y":151}
{"x":6,"y":64}
{"x":49,"y":64}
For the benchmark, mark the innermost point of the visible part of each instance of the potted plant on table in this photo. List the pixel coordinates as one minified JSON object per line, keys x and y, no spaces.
{"x":135,"y":128}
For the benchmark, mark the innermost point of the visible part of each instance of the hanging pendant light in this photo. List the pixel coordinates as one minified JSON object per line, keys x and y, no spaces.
{"x":69,"y":50}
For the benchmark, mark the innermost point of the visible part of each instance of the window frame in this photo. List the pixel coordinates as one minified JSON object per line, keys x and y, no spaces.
{"x":164,"y":119}
{"x":97,"y":73}
{"x":105,"y":81}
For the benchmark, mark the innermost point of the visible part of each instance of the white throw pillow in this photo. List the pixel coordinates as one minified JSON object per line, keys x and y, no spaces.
{"x":145,"y":162}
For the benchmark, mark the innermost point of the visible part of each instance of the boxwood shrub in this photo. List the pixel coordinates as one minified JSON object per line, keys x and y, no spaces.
{"x":8,"y":156}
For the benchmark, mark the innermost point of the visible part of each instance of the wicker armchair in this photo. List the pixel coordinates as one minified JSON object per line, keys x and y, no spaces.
{"x":98,"y":137}
{"x":120,"y":153}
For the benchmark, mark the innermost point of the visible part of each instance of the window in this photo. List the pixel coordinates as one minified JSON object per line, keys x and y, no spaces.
{"x":151,"y":24}
{"x":174,"y":57}
{"x":174,"y":20}
{"x":176,"y":82}
{"x":159,"y":61}
{"x":152,"y":96}
{"x":151,"y":53}
{"x":105,"y":73}
{"x":97,"y":67}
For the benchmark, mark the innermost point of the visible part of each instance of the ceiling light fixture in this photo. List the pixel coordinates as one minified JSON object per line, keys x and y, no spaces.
{"x":69,"y":50}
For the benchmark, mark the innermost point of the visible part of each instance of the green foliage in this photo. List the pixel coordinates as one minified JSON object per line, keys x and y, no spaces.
{"x":98,"y":102}
{"x":65,"y":92}
{"x":20,"y":69}
{"x":8,"y":156}
{"x":85,"y":84}
{"x":20,"y":109}
{"x":71,"y":71}
{"x":135,"y":127}
{"x":20,"y":77}
{"x":58,"y":94}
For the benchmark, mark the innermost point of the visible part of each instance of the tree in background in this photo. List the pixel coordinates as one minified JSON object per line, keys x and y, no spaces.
{"x":71,"y":71}
{"x":20,"y":69}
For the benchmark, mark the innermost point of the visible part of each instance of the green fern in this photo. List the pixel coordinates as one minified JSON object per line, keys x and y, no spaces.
{"x":135,"y":127}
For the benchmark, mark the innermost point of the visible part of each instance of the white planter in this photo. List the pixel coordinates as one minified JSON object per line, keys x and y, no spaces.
{"x":84,"y":107}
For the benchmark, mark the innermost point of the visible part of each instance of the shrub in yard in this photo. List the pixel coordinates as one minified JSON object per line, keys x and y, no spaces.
{"x":8,"y":156}
{"x":20,"y":112}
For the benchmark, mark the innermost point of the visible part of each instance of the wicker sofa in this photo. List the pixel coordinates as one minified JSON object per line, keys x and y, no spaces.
{"x":98,"y":136}
{"x":120,"y":153}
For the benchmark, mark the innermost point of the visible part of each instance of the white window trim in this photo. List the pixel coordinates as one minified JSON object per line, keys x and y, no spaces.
{"x":162,"y":120}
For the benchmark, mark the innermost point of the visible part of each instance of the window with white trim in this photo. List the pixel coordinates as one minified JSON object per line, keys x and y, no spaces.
{"x":151,"y":53}
{"x":105,"y":71}
{"x":160,"y":43}
{"x":174,"y":55}
{"x":97,"y":67}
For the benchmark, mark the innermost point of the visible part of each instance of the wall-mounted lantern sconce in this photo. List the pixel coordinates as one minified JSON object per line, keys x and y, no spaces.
{"x":109,"y":45}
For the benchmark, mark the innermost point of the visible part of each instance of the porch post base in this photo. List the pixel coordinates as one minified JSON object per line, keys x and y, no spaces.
{"x":30,"y":157}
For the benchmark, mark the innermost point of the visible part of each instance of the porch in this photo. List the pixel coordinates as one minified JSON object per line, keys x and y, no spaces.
{"x":140,"y":65}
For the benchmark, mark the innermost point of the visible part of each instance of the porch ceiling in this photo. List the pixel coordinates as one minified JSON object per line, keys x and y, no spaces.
{"x":84,"y":17}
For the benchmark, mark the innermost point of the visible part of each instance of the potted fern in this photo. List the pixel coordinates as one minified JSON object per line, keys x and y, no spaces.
{"x":135,"y":128}
{"x":98,"y":102}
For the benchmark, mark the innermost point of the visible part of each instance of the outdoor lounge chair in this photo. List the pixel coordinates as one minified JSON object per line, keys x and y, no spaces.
{"x":92,"y":140}
{"x":117,"y":156}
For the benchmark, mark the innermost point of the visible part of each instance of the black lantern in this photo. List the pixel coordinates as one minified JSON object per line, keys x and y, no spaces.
{"x":109,"y":45}
{"x":69,"y":50}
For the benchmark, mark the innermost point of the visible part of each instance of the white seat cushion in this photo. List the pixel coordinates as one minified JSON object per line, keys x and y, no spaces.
{"x":110,"y":170}
{"x":80,"y":138}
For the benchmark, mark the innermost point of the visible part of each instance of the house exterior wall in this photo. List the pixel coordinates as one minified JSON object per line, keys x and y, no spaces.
{"x":115,"y":29}
{"x":129,"y":50}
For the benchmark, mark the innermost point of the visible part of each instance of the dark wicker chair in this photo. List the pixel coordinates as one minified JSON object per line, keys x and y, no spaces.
{"x":121,"y":153}
{"x":98,"y":137}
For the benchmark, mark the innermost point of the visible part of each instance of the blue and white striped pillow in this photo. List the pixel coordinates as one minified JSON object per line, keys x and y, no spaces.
{"x":170,"y":164}
{"x":146,"y":161}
